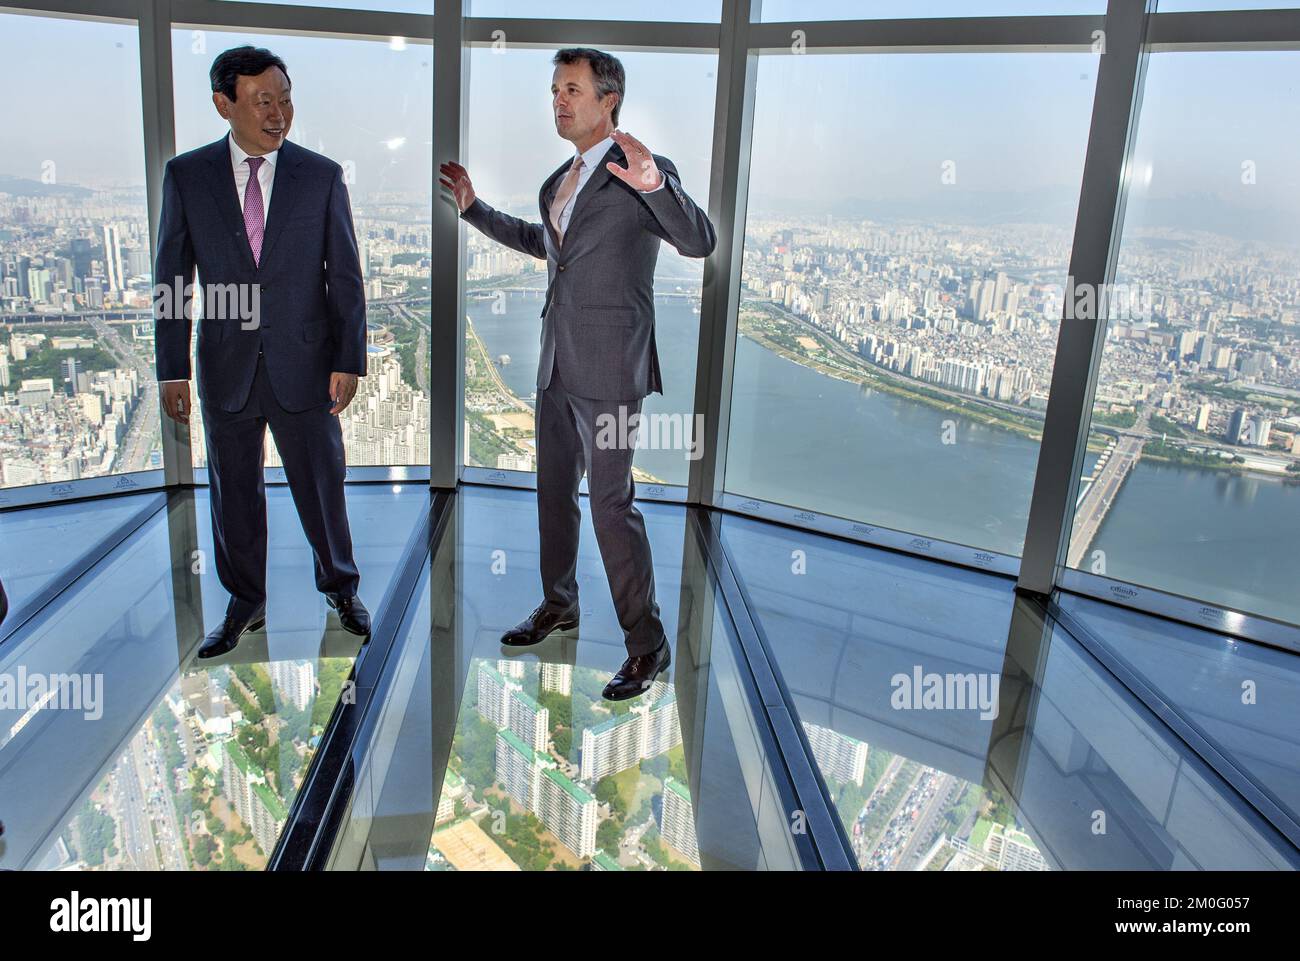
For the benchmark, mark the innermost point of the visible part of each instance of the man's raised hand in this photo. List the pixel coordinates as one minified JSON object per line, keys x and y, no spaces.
{"x":641,"y":171}
{"x":456,"y":179}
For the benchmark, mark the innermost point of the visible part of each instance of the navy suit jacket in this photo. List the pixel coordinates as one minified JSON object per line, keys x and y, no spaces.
{"x":312,"y":316}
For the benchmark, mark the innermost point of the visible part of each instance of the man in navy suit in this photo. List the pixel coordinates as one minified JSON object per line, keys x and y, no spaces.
{"x":283,"y":336}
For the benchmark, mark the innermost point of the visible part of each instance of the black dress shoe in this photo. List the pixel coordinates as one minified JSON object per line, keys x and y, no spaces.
{"x":540,"y":624}
{"x":224,"y":638}
{"x":352,"y":613}
{"x":638,"y":673}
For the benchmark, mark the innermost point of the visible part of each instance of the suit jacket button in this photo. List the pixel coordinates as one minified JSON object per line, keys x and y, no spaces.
{"x":561,"y":266}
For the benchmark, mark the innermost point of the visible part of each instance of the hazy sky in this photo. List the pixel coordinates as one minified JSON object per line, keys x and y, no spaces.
{"x":380,"y":120}
{"x":73,"y":97}
{"x":668,"y":107}
{"x":828,"y":127}
{"x":781,"y":10}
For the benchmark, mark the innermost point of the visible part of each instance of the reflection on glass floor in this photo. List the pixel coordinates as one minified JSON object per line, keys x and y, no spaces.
{"x":151,"y":759}
{"x":40,"y":546}
{"x":517,"y":735}
{"x":956,"y":730}
{"x":829,"y":705}
{"x":532,"y":769}
{"x":1243,"y":698}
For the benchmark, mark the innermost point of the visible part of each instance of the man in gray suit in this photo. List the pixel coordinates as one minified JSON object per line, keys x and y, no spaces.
{"x":604,"y":212}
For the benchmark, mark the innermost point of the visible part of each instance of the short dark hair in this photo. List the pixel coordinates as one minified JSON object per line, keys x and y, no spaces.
{"x":610,"y":77}
{"x":245,"y":61}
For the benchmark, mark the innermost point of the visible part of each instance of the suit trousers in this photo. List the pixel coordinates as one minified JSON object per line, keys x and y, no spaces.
{"x":569,"y":443}
{"x":310,"y":443}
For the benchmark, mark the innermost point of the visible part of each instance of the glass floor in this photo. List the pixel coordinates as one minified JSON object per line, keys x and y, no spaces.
{"x":829,"y":706}
{"x":47,"y":547}
{"x":148,"y":758}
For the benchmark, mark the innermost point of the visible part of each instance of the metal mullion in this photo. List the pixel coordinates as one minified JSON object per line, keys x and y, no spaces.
{"x":447,"y":283}
{"x":103,"y":11}
{"x":733,"y":119}
{"x":617,"y":34}
{"x":1198,"y":613}
{"x":1224,"y":30}
{"x":1093,"y":254}
{"x":317,"y":21}
{"x":89,"y":488}
{"x":926,"y":34}
{"x":159,"y":108}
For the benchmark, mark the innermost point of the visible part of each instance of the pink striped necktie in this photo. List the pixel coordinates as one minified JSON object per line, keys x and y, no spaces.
{"x":254,"y":217}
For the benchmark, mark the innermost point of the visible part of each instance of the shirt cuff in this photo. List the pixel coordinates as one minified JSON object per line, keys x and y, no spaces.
{"x":663,"y":182}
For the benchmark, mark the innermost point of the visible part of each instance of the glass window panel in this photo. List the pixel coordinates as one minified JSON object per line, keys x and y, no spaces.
{"x":669,"y":108}
{"x":1197,"y":396}
{"x":693,"y":11}
{"x":381,"y":132}
{"x":77,"y":393}
{"x":382,"y":6}
{"x":904,"y":268}
{"x":780,"y":11}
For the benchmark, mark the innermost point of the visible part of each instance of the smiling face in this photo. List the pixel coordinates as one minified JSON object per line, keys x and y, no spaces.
{"x":261,"y":113}
{"x":580,"y":117}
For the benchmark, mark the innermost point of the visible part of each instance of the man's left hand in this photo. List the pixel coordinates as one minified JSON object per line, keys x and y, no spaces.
{"x":641,"y":171}
{"x":343,"y":387}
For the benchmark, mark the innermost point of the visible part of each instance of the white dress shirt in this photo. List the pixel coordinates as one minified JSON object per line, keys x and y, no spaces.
{"x":265,"y":177}
{"x":590,"y":157}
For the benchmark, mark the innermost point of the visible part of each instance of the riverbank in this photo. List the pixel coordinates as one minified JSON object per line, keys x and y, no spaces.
{"x":865,"y":376}
{"x":487,"y":437}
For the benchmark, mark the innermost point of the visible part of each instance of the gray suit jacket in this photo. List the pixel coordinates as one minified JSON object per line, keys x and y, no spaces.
{"x":598,"y":320}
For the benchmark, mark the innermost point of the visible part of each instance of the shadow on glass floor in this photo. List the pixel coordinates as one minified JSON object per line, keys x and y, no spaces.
{"x":485,"y":758}
{"x":119,"y":750}
{"x":958,"y":729}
